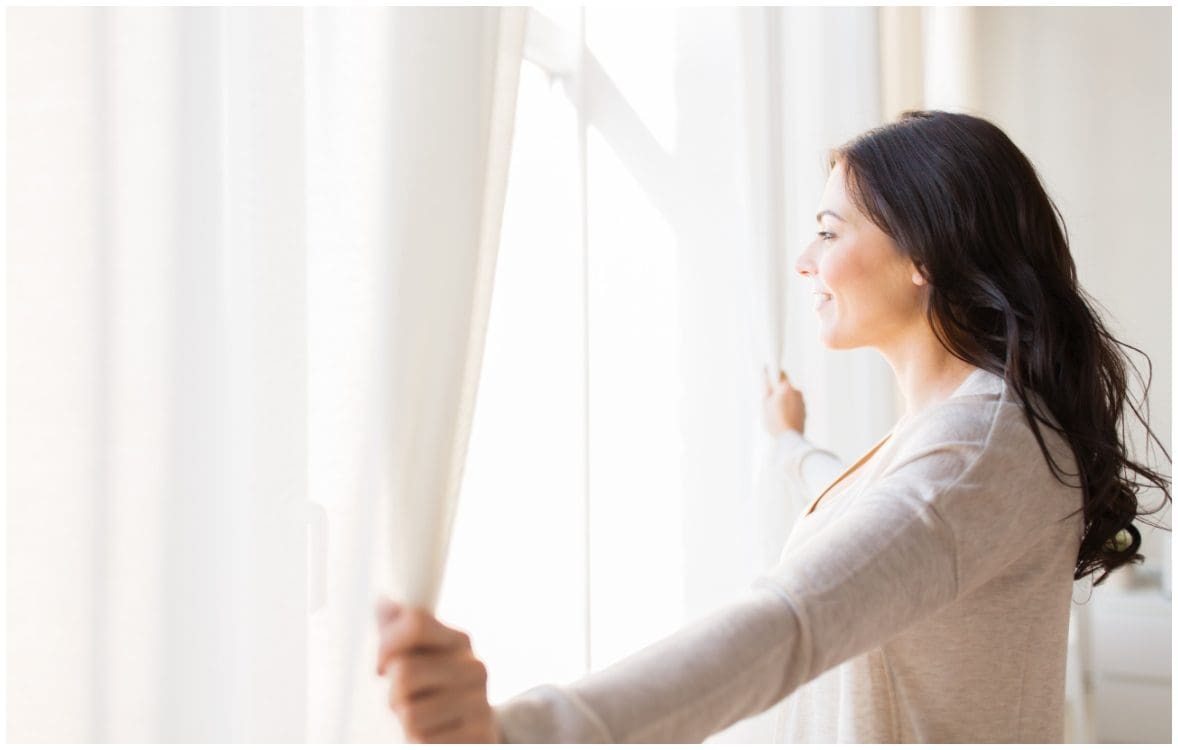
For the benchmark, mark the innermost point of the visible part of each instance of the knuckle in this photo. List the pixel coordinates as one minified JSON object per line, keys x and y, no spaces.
{"x":396,"y":701}
{"x":400,"y":679}
{"x":480,"y":672}
{"x":395,"y":671}
{"x":412,"y":720}
{"x":414,"y":626}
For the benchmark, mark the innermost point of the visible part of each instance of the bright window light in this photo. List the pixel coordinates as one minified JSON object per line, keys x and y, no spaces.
{"x":515,"y":573}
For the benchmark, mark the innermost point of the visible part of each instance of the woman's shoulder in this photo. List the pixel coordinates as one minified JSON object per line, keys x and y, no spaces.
{"x":989,"y":451}
{"x":983,"y":409}
{"x":986,"y":425}
{"x":968,"y":416}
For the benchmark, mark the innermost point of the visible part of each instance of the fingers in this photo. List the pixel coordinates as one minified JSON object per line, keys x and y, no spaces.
{"x":444,"y":713}
{"x":770,"y":384}
{"x":415,"y":629}
{"x":412,"y":676}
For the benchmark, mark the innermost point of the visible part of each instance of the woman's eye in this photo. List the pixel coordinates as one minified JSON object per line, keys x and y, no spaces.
{"x":826,"y":235}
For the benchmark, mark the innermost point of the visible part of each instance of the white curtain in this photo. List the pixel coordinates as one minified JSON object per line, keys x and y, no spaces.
{"x":156,"y":491}
{"x":410,"y":137}
{"x":775,"y":501}
{"x":214,"y":215}
{"x":929,"y":59}
{"x":807,"y":96}
{"x":452,"y":139}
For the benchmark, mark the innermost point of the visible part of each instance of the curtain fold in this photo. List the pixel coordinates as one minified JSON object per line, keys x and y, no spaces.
{"x":451,"y":141}
{"x":775,"y":501}
{"x":928,"y":59}
{"x":409,"y":116}
{"x":762,"y":73}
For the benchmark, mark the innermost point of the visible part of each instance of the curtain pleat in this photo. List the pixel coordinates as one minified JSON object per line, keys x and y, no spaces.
{"x":928,"y":59}
{"x":409,"y":115}
{"x":451,"y":142}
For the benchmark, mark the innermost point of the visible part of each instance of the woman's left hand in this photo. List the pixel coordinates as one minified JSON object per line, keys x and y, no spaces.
{"x":784,"y":408}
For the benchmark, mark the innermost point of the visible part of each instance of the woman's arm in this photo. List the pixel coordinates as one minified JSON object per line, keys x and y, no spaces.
{"x":933,"y":526}
{"x":811,"y":468}
{"x":683,"y":688}
{"x":879,"y":566}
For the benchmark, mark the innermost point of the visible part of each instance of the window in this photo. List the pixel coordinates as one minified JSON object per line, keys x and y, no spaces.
{"x":606,"y":498}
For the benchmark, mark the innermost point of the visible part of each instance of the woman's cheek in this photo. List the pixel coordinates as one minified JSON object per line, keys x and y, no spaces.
{"x":834,"y":274}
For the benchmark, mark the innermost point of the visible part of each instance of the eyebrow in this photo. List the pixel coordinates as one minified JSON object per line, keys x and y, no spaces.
{"x":820,"y":214}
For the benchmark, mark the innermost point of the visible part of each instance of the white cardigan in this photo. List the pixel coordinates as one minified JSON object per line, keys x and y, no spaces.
{"x":925,"y":598}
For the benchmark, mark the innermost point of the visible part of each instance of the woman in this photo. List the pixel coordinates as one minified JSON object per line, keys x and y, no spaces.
{"x":924,"y":594}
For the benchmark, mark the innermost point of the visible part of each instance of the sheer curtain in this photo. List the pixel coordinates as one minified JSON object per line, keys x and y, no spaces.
{"x":230,"y":234}
{"x":806,"y":97}
{"x":410,"y":127}
{"x":157,"y":376}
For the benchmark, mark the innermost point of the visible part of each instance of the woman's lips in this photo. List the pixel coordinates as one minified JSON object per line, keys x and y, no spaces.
{"x":820,"y":299}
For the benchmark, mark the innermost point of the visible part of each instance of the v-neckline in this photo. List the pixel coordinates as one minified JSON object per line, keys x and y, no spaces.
{"x":862,"y":460}
{"x":872,"y":451}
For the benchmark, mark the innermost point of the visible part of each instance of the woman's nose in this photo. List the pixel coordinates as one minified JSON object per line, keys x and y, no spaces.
{"x":805,"y":263}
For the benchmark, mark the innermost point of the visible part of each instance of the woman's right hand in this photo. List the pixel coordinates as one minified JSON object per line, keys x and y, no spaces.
{"x":437,"y":687}
{"x":783,"y":408}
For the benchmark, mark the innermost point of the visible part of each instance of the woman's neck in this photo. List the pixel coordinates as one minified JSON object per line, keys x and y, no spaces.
{"x":926,"y":372}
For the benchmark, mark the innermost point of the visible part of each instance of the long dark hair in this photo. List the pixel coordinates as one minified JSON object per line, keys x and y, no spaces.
{"x":968,"y":208}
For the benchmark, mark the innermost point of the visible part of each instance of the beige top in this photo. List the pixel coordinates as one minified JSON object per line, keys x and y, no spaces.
{"x":923,"y":597}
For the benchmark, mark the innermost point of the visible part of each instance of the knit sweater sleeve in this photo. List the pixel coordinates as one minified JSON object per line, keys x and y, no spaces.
{"x":810,"y":467}
{"x":857,"y":580}
{"x":889,"y":560}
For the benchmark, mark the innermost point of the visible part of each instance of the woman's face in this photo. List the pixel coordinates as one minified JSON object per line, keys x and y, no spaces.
{"x":867,"y":293}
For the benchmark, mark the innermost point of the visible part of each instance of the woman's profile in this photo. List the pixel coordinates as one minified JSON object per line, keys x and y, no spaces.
{"x":924,"y":593}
